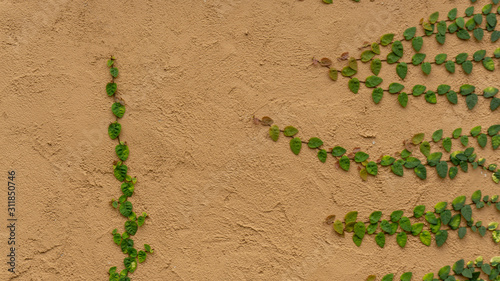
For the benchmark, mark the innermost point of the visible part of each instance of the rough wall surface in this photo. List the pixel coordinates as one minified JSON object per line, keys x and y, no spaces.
{"x":225,"y":202}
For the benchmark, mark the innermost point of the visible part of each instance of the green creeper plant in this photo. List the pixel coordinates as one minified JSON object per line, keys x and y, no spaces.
{"x":460,"y":270}
{"x":426,"y":225}
{"x":120,"y":171}
{"x":459,"y":160}
{"x":331,"y":1}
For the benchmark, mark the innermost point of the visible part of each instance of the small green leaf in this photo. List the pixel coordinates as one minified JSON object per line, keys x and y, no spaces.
{"x":367,"y":55}
{"x":471,"y":101}
{"x":111,"y":89}
{"x":475,"y":131}
{"x":401,"y":239}
{"x":274,"y":132}
{"x":372,"y":168}
{"x":387,"y":160}
{"x":425,"y":148}
{"x":490,"y":92}
{"x":421,"y":171}
{"x":403,"y":99}
{"x":425,"y":237}
{"x":338,"y":226}
{"x":290,"y":131}
{"x":296,"y":145}
{"x":437,"y":135}
{"x":417,"y":43}
{"x":380,"y":239}
{"x":131,"y":227}
{"x":426,"y":68}
{"x":410,"y":33}
{"x":417,"y":228}
{"x":441,"y":237}
{"x":360,"y":157}
{"x":314,"y":143}
{"x":464,"y":140}
{"x":430,"y":97}
{"x":377,"y":95}
{"x":418,"y":58}
{"x":489,"y":64}
{"x":418,"y":138}
{"x":447,"y":144}
{"x":333,"y":74}
{"x":322,"y":155}
{"x":418,"y":90}
{"x":354,"y":85}
{"x":386,"y":39}
{"x":450,"y":66}
{"x":373,"y":81}
{"x":376,"y":66}
{"x":141,"y":256}
{"x":467,"y":66}
{"x":122,"y":151}
{"x":344,"y":163}
{"x":126,"y":208}
{"x":452,"y":14}
{"x":338,"y":151}
{"x":396,"y":215}
{"x":114,"y":130}
{"x":120,"y":172}
{"x":442,"y":169}
{"x":395,"y":88}
{"x":419,"y":211}
{"x":113,"y":71}
{"x":351,"y":217}
{"x":397,"y":168}
{"x":401,"y":70}
{"x":458,"y":203}
{"x":118,"y":109}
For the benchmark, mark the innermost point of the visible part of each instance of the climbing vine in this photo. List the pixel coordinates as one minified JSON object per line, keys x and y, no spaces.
{"x":462,"y":159}
{"x":120,"y":171}
{"x":471,"y":270}
{"x":444,"y":217}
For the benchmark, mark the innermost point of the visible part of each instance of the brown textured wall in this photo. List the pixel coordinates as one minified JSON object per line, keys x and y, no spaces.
{"x":226,"y":203}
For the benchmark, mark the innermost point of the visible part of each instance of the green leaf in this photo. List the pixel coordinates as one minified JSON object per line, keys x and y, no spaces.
{"x":401,"y":239}
{"x":418,"y":58}
{"x":130,"y":264}
{"x":405,"y":224}
{"x":426,"y":68}
{"x":495,"y":35}
{"x":375,"y":48}
{"x":403,"y":99}
{"x":114,"y":130}
{"x":380,"y":239}
{"x":322,"y":155}
{"x":386,"y":39}
{"x":344,"y":163}
{"x":387,"y":160}
{"x":395,"y":88}
{"x":274,"y":132}
{"x":452,"y":97}
{"x":421,"y":171}
{"x":461,"y":58}
{"x":466,"y":212}
{"x":458,"y":203}
{"x":111,"y":89}
{"x":471,"y":101}
{"x":373,"y":81}
{"x":452,"y":14}
{"x":351,"y":217}
{"x":348,"y":72}
{"x":458,"y":267}
{"x":411,"y":162}
{"x":314,"y":143}
{"x":447,"y":144}
{"x":444,"y":272}
{"x":360,"y":230}
{"x":417,"y":43}
{"x":333,"y":74}
{"x":467,"y":66}
{"x":476,"y":196}
{"x":430,"y":97}
{"x":401,"y":70}
{"x":495,"y":141}
{"x":388,"y":277}
{"x":372,"y":168}
{"x":376,"y":66}
{"x":425,"y":148}
{"x":464,"y":140}
{"x":410,"y":33}
{"x":122,"y":151}
{"x":475,"y":131}
{"x":463,"y":34}
{"x":442,"y":169}
{"x":354,"y":85}
{"x":419,"y":211}
{"x":495,"y":103}
{"x":131,"y":227}
{"x":437,"y":135}
{"x":120,"y":172}
{"x":434,"y":159}
{"x":141,"y":256}
{"x":338,"y":151}
{"x":296,"y":145}
{"x":392,"y":58}
{"x":425,"y":237}
{"x":396,"y":215}
{"x":113,"y":71}
{"x":418,"y":90}
{"x":418,"y":138}
{"x":496,"y":53}
{"x":489,"y":64}
{"x":118,"y":109}
{"x":377,"y":95}
{"x":375,"y":217}
{"x":360,"y":157}
{"x":417,"y":228}
{"x":443,"y":89}
{"x":487,"y":9}
{"x":126,"y":208}
{"x":482,"y":139}
{"x":290,"y":131}
{"x":338,"y":226}
{"x":467,"y":89}
{"x":478,"y":34}
{"x":490,"y":92}
{"x":397,"y":48}
{"x":406,"y":276}
{"x":440,"y":58}
{"x":367,"y":55}
{"x":450,"y":66}
{"x":127,"y":188}
{"x":397,"y":168}
{"x":479,"y":55}
{"x":441,"y":237}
